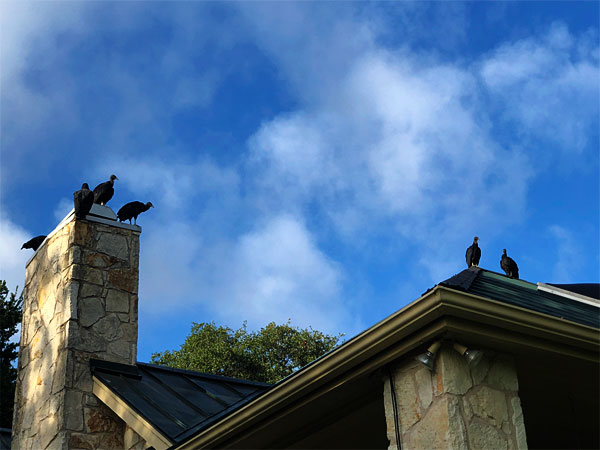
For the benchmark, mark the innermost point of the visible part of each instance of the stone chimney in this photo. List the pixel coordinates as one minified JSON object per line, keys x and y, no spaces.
{"x":80,"y":302}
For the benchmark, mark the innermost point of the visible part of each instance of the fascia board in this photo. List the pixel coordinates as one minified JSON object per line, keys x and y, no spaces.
{"x":537,"y":325}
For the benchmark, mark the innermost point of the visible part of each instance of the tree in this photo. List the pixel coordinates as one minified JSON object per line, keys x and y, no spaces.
{"x":267,"y":355}
{"x":10,"y":317}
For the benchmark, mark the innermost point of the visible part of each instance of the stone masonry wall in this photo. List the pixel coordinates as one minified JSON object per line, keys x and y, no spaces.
{"x":80,"y":303}
{"x":133,"y":441}
{"x":456,"y":407}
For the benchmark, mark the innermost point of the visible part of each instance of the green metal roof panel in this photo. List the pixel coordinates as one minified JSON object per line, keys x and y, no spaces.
{"x":175,"y":401}
{"x":525,"y":295}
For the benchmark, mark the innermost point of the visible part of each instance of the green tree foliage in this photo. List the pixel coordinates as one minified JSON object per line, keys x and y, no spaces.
{"x":267,"y":355}
{"x":10,"y":317}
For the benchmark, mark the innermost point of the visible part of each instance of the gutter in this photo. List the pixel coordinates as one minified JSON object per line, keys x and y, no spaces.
{"x":420,"y":321}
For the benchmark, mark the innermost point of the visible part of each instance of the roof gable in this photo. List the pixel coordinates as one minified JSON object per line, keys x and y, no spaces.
{"x":172,"y":401}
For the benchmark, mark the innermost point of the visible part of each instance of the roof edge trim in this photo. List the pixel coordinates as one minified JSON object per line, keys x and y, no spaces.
{"x":438,"y":303}
{"x":140,"y":425}
{"x":568,"y":294}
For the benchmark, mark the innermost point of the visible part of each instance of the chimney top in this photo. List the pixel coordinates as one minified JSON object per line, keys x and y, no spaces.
{"x":98,"y":213}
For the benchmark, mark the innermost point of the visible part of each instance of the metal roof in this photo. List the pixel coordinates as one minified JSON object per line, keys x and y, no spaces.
{"x":524,"y":294}
{"x":5,"y":438}
{"x":176,"y":402}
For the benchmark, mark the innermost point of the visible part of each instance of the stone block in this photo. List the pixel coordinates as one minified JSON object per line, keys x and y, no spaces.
{"x":124,"y":279}
{"x":129,"y":331}
{"x":90,"y":290}
{"x":453,"y":374}
{"x":98,"y":260}
{"x":82,"y":377}
{"x":442,"y":427}
{"x":111,"y":441}
{"x":502,"y":373}
{"x":81,"y":441}
{"x":408,"y":401}
{"x":59,"y":442}
{"x":518,"y":423}
{"x":486,"y":437}
{"x":424,"y":386}
{"x":119,"y":351}
{"x":114,"y":245}
{"x":101,"y":420}
{"x":91,"y":342}
{"x":117,"y":301}
{"x":489,"y":404}
{"x":90,"y":311}
{"x":48,"y":430}
{"x":92,"y":275}
{"x":109,"y":328}
{"x":132,"y":440}
{"x":60,"y":373}
{"x":72,"y":411}
{"x":81,"y":234}
{"x":90,"y":400}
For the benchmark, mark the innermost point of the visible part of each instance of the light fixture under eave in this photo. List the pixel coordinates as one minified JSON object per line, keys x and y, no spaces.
{"x":472,"y":356}
{"x":428,"y":358}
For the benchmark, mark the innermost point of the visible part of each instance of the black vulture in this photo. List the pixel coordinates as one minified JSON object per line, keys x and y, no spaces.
{"x":83,"y":200}
{"x":509,"y":266}
{"x":473,"y":254}
{"x":34,"y":243}
{"x":104,"y":191}
{"x":132,"y":210}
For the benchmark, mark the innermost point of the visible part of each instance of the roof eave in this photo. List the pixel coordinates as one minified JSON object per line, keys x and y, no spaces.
{"x":441,"y":310}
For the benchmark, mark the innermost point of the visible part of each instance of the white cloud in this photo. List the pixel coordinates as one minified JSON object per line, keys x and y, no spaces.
{"x":195,"y":254}
{"x":275,"y":272}
{"x":548,"y":86}
{"x":397,"y":141}
{"x":280,"y":273}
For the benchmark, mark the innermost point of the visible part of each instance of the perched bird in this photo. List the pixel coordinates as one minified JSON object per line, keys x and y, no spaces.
{"x":104,"y":191}
{"x":509,"y":266}
{"x":34,"y":243}
{"x":83,"y":200}
{"x":473,"y":254}
{"x":132,"y":210}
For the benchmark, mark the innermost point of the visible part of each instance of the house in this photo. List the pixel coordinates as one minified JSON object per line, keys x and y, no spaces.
{"x":535,"y":385}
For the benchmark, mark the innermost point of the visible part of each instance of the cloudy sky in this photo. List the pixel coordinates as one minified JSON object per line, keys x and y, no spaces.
{"x":325,"y":162}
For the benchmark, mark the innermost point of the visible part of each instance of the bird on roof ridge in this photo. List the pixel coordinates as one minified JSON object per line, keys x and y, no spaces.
{"x":473,"y":254}
{"x":509,"y":266}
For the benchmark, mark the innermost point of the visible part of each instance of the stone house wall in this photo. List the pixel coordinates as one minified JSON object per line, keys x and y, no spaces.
{"x":80,"y":302}
{"x":456,"y":407}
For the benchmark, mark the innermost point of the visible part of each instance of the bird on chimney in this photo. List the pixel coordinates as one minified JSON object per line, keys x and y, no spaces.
{"x":105,"y":191}
{"x":34,"y":243}
{"x":133,"y":210}
{"x":83,"y":200}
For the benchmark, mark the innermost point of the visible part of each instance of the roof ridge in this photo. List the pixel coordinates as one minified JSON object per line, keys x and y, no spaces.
{"x":203,"y":374}
{"x":462,"y":280}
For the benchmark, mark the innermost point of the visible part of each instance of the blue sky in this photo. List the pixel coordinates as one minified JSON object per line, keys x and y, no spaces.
{"x":325,"y":162}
